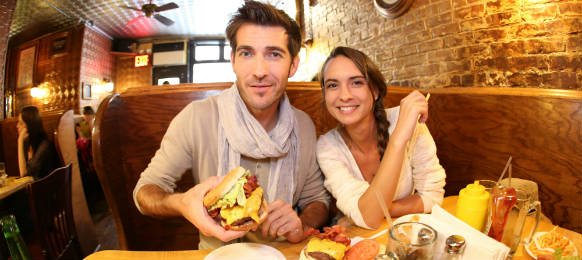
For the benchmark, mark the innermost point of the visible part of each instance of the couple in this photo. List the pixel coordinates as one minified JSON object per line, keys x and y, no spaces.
{"x":253,"y":125}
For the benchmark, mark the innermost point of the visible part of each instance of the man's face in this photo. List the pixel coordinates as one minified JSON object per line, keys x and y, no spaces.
{"x":262,"y":64}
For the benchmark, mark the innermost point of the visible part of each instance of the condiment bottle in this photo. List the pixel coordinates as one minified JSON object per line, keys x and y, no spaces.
{"x":454,"y":248}
{"x":472,"y":205}
{"x":503,"y":201}
{"x":16,"y":245}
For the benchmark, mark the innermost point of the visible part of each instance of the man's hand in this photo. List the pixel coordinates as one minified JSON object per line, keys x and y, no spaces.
{"x":194,"y":211}
{"x":283,"y":221}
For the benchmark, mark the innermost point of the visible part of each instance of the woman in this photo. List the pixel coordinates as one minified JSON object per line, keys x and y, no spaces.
{"x":375,"y":149}
{"x":37,"y":155}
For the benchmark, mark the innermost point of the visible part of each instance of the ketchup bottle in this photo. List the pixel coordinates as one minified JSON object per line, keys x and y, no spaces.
{"x":503,"y":201}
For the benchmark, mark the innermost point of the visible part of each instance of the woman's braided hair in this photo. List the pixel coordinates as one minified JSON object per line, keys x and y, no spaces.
{"x":376,"y":82}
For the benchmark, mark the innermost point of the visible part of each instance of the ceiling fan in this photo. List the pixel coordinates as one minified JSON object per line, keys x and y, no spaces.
{"x":150,"y":10}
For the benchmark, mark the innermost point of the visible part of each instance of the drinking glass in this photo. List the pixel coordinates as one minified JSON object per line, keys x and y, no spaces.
{"x":411,"y":240}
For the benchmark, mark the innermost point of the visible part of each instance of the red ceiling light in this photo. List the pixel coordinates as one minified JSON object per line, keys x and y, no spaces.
{"x":142,"y":60}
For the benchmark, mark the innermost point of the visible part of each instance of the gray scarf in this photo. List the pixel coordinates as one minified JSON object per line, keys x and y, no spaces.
{"x":240,"y":133}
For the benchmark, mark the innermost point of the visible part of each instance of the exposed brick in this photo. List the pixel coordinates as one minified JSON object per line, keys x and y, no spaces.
{"x":444,"y":18}
{"x":417,"y":37}
{"x":507,"y":49}
{"x":428,"y":70}
{"x":574,"y":43}
{"x":490,"y":35}
{"x":470,"y":51}
{"x":540,"y":13}
{"x":469,"y":12}
{"x":445,"y":29}
{"x":501,"y":5}
{"x":499,"y":63}
{"x":570,"y":9}
{"x":458,"y":39}
{"x":535,"y":46}
{"x":563,"y":62}
{"x":473,"y":24}
{"x":528,"y":63}
{"x":530,"y":30}
{"x":412,"y":60}
{"x":467,"y":80}
{"x":456,"y":80}
{"x":499,"y":19}
{"x":430,"y":45}
{"x":456,"y":66}
{"x":561,"y":80}
{"x":404,"y":50}
{"x":414,"y":27}
{"x":441,"y":55}
{"x":459,"y":3}
{"x":444,"y":6}
{"x":565,"y":26}
{"x":524,"y":79}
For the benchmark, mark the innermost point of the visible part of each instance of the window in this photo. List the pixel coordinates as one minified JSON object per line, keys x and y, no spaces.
{"x":211,"y":61}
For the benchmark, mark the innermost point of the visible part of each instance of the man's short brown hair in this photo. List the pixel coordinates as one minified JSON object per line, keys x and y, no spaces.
{"x":264,"y":14}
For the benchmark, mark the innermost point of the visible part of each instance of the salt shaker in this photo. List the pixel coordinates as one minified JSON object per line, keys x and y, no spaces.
{"x":454,"y":248}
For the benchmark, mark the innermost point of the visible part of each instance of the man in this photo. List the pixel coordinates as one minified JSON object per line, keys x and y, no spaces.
{"x":87,"y":123}
{"x":253,"y":125}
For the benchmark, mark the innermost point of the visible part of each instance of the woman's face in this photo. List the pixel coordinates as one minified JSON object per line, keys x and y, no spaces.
{"x":347,"y":95}
{"x":20,"y":126}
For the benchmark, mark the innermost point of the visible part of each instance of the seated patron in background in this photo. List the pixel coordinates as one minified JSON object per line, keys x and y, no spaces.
{"x":375,"y":149}
{"x":253,"y":125}
{"x":37,"y":156}
{"x":87,"y":122}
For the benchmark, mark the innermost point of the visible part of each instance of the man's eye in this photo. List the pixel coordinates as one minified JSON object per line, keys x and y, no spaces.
{"x":359,"y":82}
{"x":244,"y":53}
{"x":276,"y":54}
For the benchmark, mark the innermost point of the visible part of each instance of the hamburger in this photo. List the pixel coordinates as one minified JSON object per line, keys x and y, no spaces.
{"x":331,"y":245}
{"x":237,"y":202}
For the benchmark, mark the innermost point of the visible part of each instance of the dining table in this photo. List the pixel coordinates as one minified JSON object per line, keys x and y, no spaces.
{"x":292,"y":251}
{"x":14,"y":184}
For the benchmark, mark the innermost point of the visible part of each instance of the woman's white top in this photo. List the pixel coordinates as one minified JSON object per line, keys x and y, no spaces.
{"x":421,"y":171}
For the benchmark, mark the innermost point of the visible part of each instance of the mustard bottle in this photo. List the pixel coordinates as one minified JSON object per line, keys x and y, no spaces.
{"x":472,"y":205}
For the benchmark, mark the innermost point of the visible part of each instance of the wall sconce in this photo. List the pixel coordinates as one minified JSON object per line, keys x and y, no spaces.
{"x":39,"y":92}
{"x":108,"y":86}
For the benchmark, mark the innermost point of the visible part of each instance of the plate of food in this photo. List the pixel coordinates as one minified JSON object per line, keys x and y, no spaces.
{"x":546,"y":243}
{"x":335,"y":244}
{"x":244,"y":251}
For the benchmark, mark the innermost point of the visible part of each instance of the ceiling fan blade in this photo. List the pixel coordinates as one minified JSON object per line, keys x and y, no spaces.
{"x":168,"y":6}
{"x":163,"y":19}
{"x":130,"y":7}
{"x":134,"y":20}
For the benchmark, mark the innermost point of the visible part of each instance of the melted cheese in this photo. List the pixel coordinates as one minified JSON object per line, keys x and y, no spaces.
{"x":250,"y":209}
{"x":334,"y":249}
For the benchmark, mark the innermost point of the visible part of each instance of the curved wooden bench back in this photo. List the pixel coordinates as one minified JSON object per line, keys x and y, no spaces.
{"x":475,"y":129}
{"x":66,"y":143}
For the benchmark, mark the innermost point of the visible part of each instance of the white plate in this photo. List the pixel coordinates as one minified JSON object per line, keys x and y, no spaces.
{"x":407,"y":218}
{"x":535,"y":237}
{"x":245,"y":251}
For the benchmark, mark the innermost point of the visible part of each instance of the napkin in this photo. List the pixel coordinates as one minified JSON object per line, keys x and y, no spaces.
{"x":477,"y":244}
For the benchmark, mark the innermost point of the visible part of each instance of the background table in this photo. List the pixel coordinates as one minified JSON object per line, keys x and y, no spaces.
{"x":292,"y":251}
{"x":14,"y":184}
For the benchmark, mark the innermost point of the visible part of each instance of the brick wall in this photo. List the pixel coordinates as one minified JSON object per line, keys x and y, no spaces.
{"x":6,"y":12}
{"x":447,"y":43}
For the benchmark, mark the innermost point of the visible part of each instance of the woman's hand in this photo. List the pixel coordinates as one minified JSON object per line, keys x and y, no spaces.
{"x":22,"y":134}
{"x":413,"y":109}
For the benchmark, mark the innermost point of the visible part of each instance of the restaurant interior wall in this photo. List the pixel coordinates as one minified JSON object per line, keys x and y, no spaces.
{"x":6,"y":11}
{"x":65,"y":73}
{"x":443,"y":43}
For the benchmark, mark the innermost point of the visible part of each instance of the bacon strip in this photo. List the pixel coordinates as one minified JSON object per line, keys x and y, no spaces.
{"x":335,"y":233}
{"x":251,"y":185}
{"x":214,"y":213}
